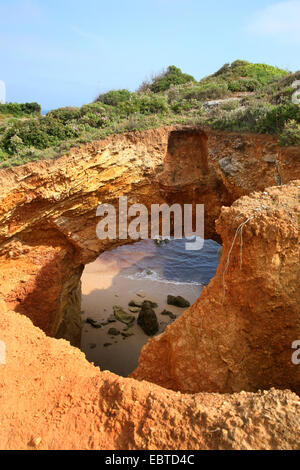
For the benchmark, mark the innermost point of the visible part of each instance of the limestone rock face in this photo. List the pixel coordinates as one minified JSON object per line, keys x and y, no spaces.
{"x":48,"y":208}
{"x":239,"y":334}
{"x":53,"y":399}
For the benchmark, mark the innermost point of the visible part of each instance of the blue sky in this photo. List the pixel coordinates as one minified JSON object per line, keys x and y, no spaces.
{"x":65,"y":52}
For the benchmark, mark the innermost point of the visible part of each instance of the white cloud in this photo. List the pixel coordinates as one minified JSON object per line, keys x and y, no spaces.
{"x":280,"y":21}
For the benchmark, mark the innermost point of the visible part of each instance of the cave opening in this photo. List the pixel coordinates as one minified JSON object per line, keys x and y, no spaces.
{"x":116,"y":285}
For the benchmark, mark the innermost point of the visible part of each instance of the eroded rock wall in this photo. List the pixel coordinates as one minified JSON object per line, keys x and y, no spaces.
{"x":48,"y":208}
{"x":51,"y":398}
{"x":239,"y":334}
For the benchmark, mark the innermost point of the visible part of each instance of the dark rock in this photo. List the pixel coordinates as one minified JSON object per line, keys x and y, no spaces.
{"x":134,"y":309}
{"x":113,"y":332}
{"x":169,"y":314}
{"x":106,"y":345}
{"x":227,"y":166}
{"x":178,"y":301}
{"x":93,"y":323}
{"x":139,"y":304}
{"x":127,"y":335}
{"x":123,"y":316}
{"x":93,"y":345}
{"x":111,"y":319}
{"x":148,"y":320}
{"x":153,"y":304}
{"x":136,"y":303}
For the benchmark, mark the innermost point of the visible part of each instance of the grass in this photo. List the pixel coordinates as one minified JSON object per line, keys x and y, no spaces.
{"x":263,"y":105}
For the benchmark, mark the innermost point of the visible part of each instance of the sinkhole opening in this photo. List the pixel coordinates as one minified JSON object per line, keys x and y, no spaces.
{"x":131,"y":293}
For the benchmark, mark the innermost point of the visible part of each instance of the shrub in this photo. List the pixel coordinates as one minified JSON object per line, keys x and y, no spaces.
{"x":208,"y":91}
{"x":282,"y":96}
{"x":20,"y":109}
{"x":244,"y":76}
{"x":114,"y":97}
{"x":64,"y":114}
{"x":290,"y":134}
{"x":94,"y":119}
{"x":142,"y":104}
{"x":182,"y":106}
{"x":243,"y":84}
{"x":39,"y":133}
{"x":162,"y":82}
{"x":275,"y":119}
{"x":152,"y":104}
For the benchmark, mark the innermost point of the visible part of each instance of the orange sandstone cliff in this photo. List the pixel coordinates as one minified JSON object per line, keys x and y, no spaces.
{"x":48,"y":208}
{"x":235,"y":340}
{"x":239,"y":334}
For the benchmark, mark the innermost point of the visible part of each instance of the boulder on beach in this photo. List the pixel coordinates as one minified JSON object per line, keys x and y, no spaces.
{"x":136,"y":303}
{"x":123,"y":316}
{"x":111,"y":319}
{"x":148,"y":320}
{"x":178,"y":301}
{"x":113,"y":332}
{"x":127,"y":335}
{"x":153,"y":304}
{"x":139,"y":304}
{"x":134,"y":309}
{"x":93,"y":323}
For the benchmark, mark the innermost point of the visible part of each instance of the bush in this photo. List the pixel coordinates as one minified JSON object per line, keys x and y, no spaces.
{"x":239,"y":119}
{"x":20,"y":109}
{"x":114,"y":97}
{"x":152,"y":104}
{"x":275,"y":119}
{"x":162,"y":82}
{"x":95,"y":119}
{"x":64,"y":114}
{"x":41,"y":133}
{"x":243,"y":84}
{"x":290,"y":134}
{"x":284,"y":96}
{"x":208,"y":91}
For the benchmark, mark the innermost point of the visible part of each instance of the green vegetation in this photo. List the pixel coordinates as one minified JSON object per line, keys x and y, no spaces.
{"x":20,"y":109}
{"x":171,"y":77}
{"x":246,"y":97}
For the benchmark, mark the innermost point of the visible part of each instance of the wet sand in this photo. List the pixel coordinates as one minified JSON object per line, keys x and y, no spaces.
{"x":103,"y":287}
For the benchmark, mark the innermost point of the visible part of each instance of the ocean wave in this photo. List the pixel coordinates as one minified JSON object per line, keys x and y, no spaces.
{"x":154,"y":276}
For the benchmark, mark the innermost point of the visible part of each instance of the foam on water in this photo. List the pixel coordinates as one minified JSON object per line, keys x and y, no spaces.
{"x":167,"y":263}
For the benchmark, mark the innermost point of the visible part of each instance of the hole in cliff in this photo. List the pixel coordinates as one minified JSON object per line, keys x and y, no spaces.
{"x":133,"y":274}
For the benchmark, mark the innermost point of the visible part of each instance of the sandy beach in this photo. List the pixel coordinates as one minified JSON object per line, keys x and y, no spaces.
{"x":103,"y":287}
